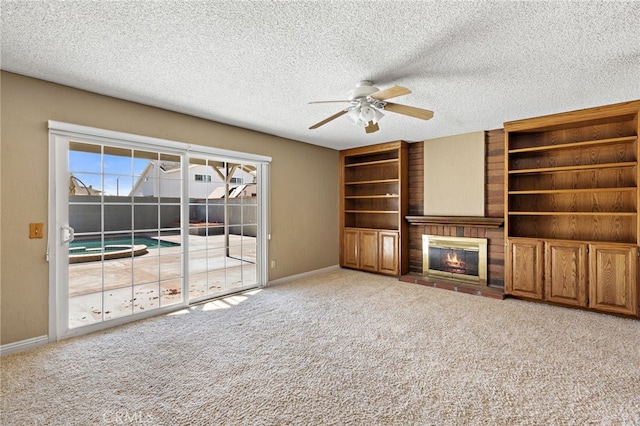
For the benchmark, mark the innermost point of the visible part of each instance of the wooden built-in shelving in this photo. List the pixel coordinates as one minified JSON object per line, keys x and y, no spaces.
{"x":574,"y":145}
{"x":571,"y":211}
{"x":373,"y":203}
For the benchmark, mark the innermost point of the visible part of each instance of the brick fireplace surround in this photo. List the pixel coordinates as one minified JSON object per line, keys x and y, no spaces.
{"x":488,"y":227}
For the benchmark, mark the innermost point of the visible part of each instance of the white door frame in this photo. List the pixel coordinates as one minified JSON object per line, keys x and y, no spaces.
{"x":57,"y":252}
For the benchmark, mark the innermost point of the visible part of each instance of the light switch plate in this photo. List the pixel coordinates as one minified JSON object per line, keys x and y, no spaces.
{"x":35,"y":230}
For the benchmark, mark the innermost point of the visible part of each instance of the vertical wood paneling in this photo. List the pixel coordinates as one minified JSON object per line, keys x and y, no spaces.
{"x":416,"y":180}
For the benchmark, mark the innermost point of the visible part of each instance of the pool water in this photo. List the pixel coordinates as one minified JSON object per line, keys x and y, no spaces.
{"x":88,"y":246}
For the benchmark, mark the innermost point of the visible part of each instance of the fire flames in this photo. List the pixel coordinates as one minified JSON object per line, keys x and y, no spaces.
{"x":452,"y":260}
{"x":455,"y":264}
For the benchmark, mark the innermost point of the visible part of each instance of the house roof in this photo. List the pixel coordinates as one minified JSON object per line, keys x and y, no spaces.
{"x":257,"y":64}
{"x":77,"y":187}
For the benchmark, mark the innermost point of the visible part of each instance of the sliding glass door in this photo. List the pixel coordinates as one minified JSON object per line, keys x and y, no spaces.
{"x":125,"y":256}
{"x":139,"y":228}
{"x":223,"y":226}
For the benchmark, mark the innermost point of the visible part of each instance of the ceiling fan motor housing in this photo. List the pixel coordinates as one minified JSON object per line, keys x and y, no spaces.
{"x":362,"y":90}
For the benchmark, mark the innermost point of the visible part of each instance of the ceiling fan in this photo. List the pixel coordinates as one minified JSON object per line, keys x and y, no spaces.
{"x":367,"y":103}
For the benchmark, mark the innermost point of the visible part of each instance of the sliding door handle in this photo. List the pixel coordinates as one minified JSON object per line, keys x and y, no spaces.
{"x":67,"y":234}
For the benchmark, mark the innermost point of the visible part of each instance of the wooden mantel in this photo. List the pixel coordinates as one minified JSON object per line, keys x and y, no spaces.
{"x":468,"y":221}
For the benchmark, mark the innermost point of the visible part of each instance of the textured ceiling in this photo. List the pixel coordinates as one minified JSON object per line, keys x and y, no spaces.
{"x":257,"y":64}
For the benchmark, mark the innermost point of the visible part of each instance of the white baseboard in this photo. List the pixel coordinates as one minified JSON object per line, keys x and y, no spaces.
{"x":23,"y":345}
{"x":303,"y":275}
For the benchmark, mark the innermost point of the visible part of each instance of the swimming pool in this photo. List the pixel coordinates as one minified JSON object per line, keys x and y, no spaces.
{"x":93,"y":250}
{"x":111,"y":244}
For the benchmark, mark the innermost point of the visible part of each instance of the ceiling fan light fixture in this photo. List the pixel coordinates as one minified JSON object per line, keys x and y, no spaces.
{"x":377,"y":115}
{"x":355,"y":114}
{"x":363,"y":113}
{"x":366,"y":113}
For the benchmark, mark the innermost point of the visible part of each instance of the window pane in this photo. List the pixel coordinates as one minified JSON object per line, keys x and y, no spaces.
{"x":215,"y":230}
{"x":85,"y":309}
{"x":85,"y":217}
{"x":87,"y":185}
{"x":85,"y":158}
{"x":197,"y":211}
{"x":170,"y":292}
{"x":217,"y":238}
{"x":169,"y":216}
{"x":170,"y":190}
{"x":145,"y":216}
{"x":117,"y":217}
{"x":250,"y":231}
{"x":170,"y":167}
{"x":197,"y":284}
{"x":144,"y":157}
{"x":170,"y":242}
{"x":236,"y":239}
{"x":148,"y":237}
{"x":146,"y":297}
{"x":216,"y":281}
{"x":216,"y":211}
{"x":235,"y":215}
{"x":146,"y":269}
{"x":249,"y":214}
{"x":249,"y":274}
{"x":146,"y":188}
{"x":170,"y":267}
{"x":249,"y":249}
{"x":117,"y":161}
{"x":118,"y":274}
{"x":117,"y":188}
{"x":118,"y":303}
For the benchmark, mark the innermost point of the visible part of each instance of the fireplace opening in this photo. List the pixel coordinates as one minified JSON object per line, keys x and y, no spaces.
{"x":455,"y":258}
{"x":456,"y":261}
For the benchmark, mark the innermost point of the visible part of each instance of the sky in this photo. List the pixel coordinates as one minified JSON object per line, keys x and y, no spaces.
{"x":119,"y":172}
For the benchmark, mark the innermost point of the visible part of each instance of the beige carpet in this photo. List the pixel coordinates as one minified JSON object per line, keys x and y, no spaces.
{"x":341,"y":348}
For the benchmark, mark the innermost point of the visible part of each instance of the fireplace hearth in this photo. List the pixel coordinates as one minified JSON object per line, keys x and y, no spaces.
{"x":459,"y":259}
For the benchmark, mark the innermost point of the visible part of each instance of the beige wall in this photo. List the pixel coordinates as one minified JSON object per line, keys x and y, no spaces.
{"x":304,"y":224}
{"x":454,"y":175}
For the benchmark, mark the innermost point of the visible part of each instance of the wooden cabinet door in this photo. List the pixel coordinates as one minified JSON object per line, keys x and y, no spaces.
{"x":613,"y":279}
{"x":565,"y":272}
{"x":524,"y":267}
{"x":369,"y":250}
{"x":388,"y":252}
{"x":350,"y":246}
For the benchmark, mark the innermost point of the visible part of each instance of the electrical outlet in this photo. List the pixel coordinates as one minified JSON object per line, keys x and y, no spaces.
{"x":273,"y":264}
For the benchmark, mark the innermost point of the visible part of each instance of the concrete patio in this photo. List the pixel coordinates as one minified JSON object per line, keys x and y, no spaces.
{"x":135,"y":284}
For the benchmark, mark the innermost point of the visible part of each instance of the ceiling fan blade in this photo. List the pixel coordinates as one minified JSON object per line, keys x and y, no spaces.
{"x":391,"y":92}
{"x":371,"y":127}
{"x":423,"y":114}
{"x":326,"y":120}
{"x":328,"y":102}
